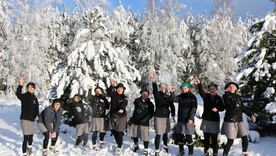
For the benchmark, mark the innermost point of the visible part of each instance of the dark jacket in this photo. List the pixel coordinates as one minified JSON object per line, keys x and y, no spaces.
{"x":234,"y":107}
{"x":210,"y":103}
{"x":81,"y":113}
{"x":187,"y":105}
{"x":29,"y":104}
{"x":117,"y":102}
{"x":98,"y":108}
{"x":49,"y":116}
{"x":163,"y":102}
{"x":143,"y":112}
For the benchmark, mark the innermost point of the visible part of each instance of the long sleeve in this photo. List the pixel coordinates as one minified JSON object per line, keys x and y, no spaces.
{"x":155,"y":90}
{"x":111,"y":91}
{"x":48,"y":120}
{"x":58,"y":120}
{"x":193,"y":109}
{"x":201,"y":91}
{"x":37,"y":108}
{"x":174,"y":97}
{"x":172,"y":107}
{"x":19,"y":92}
{"x":227,"y":102}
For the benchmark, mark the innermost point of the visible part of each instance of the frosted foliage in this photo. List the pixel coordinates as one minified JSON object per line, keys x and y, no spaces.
{"x":271,"y":107}
{"x":94,"y":61}
{"x":215,"y":56}
{"x":270,"y":91}
{"x":259,"y":55}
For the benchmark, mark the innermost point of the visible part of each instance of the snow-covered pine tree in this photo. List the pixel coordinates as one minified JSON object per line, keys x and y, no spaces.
{"x":28,"y":43}
{"x":218,"y":42}
{"x":93,"y":61}
{"x":257,"y":71}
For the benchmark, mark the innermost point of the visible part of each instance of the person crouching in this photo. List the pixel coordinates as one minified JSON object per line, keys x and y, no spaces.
{"x":49,"y":123}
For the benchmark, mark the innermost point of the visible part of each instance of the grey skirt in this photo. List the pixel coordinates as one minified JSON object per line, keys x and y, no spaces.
{"x":138,"y":131}
{"x":82,"y":129}
{"x":162,"y":125}
{"x":99,"y":125}
{"x":118,"y":124}
{"x":234,"y":130}
{"x":42,"y":127}
{"x":209,"y":126}
{"x":185,"y":128}
{"x":27,"y":127}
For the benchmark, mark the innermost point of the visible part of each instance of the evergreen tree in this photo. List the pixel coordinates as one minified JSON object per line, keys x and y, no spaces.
{"x":93,"y":61}
{"x":257,"y":71}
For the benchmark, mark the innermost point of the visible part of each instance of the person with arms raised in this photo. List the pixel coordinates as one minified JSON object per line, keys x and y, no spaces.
{"x":29,"y":113}
{"x":118,"y":114}
{"x":163,"y":108}
{"x":213,"y":103}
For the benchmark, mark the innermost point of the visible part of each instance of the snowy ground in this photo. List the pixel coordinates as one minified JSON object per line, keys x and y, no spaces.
{"x":11,"y":140}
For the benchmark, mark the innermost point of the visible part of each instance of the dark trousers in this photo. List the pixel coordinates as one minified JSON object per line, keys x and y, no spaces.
{"x":28,"y":139}
{"x":182,"y":142}
{"x":230,"y":143}
{"x":83,"y":138}
{"x":146,"y":143}
{"x":214,"y":145}
{"x":94,"y":137}
{"x":157,"y":140}
{"x":46,"y":139}
{"x":118,"y":138}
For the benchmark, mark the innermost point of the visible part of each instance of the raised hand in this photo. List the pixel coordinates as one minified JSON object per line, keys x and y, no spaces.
{"x":21,"y":80}
{"x":196,"y":80}
{"x":89,"y":87}
{"x":113,"y":82}
{"x":152,"y":76}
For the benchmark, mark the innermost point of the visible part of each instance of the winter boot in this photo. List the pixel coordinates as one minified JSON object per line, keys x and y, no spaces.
{"x":157,"y":153}
{"x":181,"y":153}
{"x":94,"y":147}
{"x":244,"y":154}
{"x":118,"y":151}
{"x":166,"y":149}
{"x":30,"y":150}
{"x":146,"y":153}
{"x":53,"y":149}
{"x":45,"y":152}
{"x":206,"y":153}
{"x":135,"y":148}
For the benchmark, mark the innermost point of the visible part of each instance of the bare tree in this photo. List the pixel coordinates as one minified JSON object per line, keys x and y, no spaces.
{"x":226,"y":8}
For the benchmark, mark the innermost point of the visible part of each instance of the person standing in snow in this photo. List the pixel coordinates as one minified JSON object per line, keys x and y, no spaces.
{"x":233,"y":125}
{"x":29,"y":113}
{"x":99,"y":105}
{"x":163,"y":107}
{"x":48,"y":123}
{"x":210,"y":117}
{"x":118,"y":114}
{"x":187,"y":106}
{"x":143,"y":112}
{"x":81,"y":119}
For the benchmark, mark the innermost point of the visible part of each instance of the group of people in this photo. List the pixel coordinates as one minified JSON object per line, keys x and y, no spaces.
{"x":144,"y":110}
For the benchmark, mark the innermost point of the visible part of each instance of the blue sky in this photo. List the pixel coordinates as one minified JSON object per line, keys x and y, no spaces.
{"x":258,"y":8}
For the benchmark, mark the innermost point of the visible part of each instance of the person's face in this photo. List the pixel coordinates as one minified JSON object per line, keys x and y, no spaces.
{"x":163,"y":89}
{"x":98,"y":91}
{"x":77,"y":99}
{"x":120,"y":90}
{"x":56,"y":106}
{"x":213,"y":91}
{"x":145,"y":95}
{"x":232,"y":88}
{"x":185,"y":89}
{"x":31,"y":89}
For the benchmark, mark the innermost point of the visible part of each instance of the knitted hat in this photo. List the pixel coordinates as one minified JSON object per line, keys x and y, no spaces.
{"x":184,"y":84}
